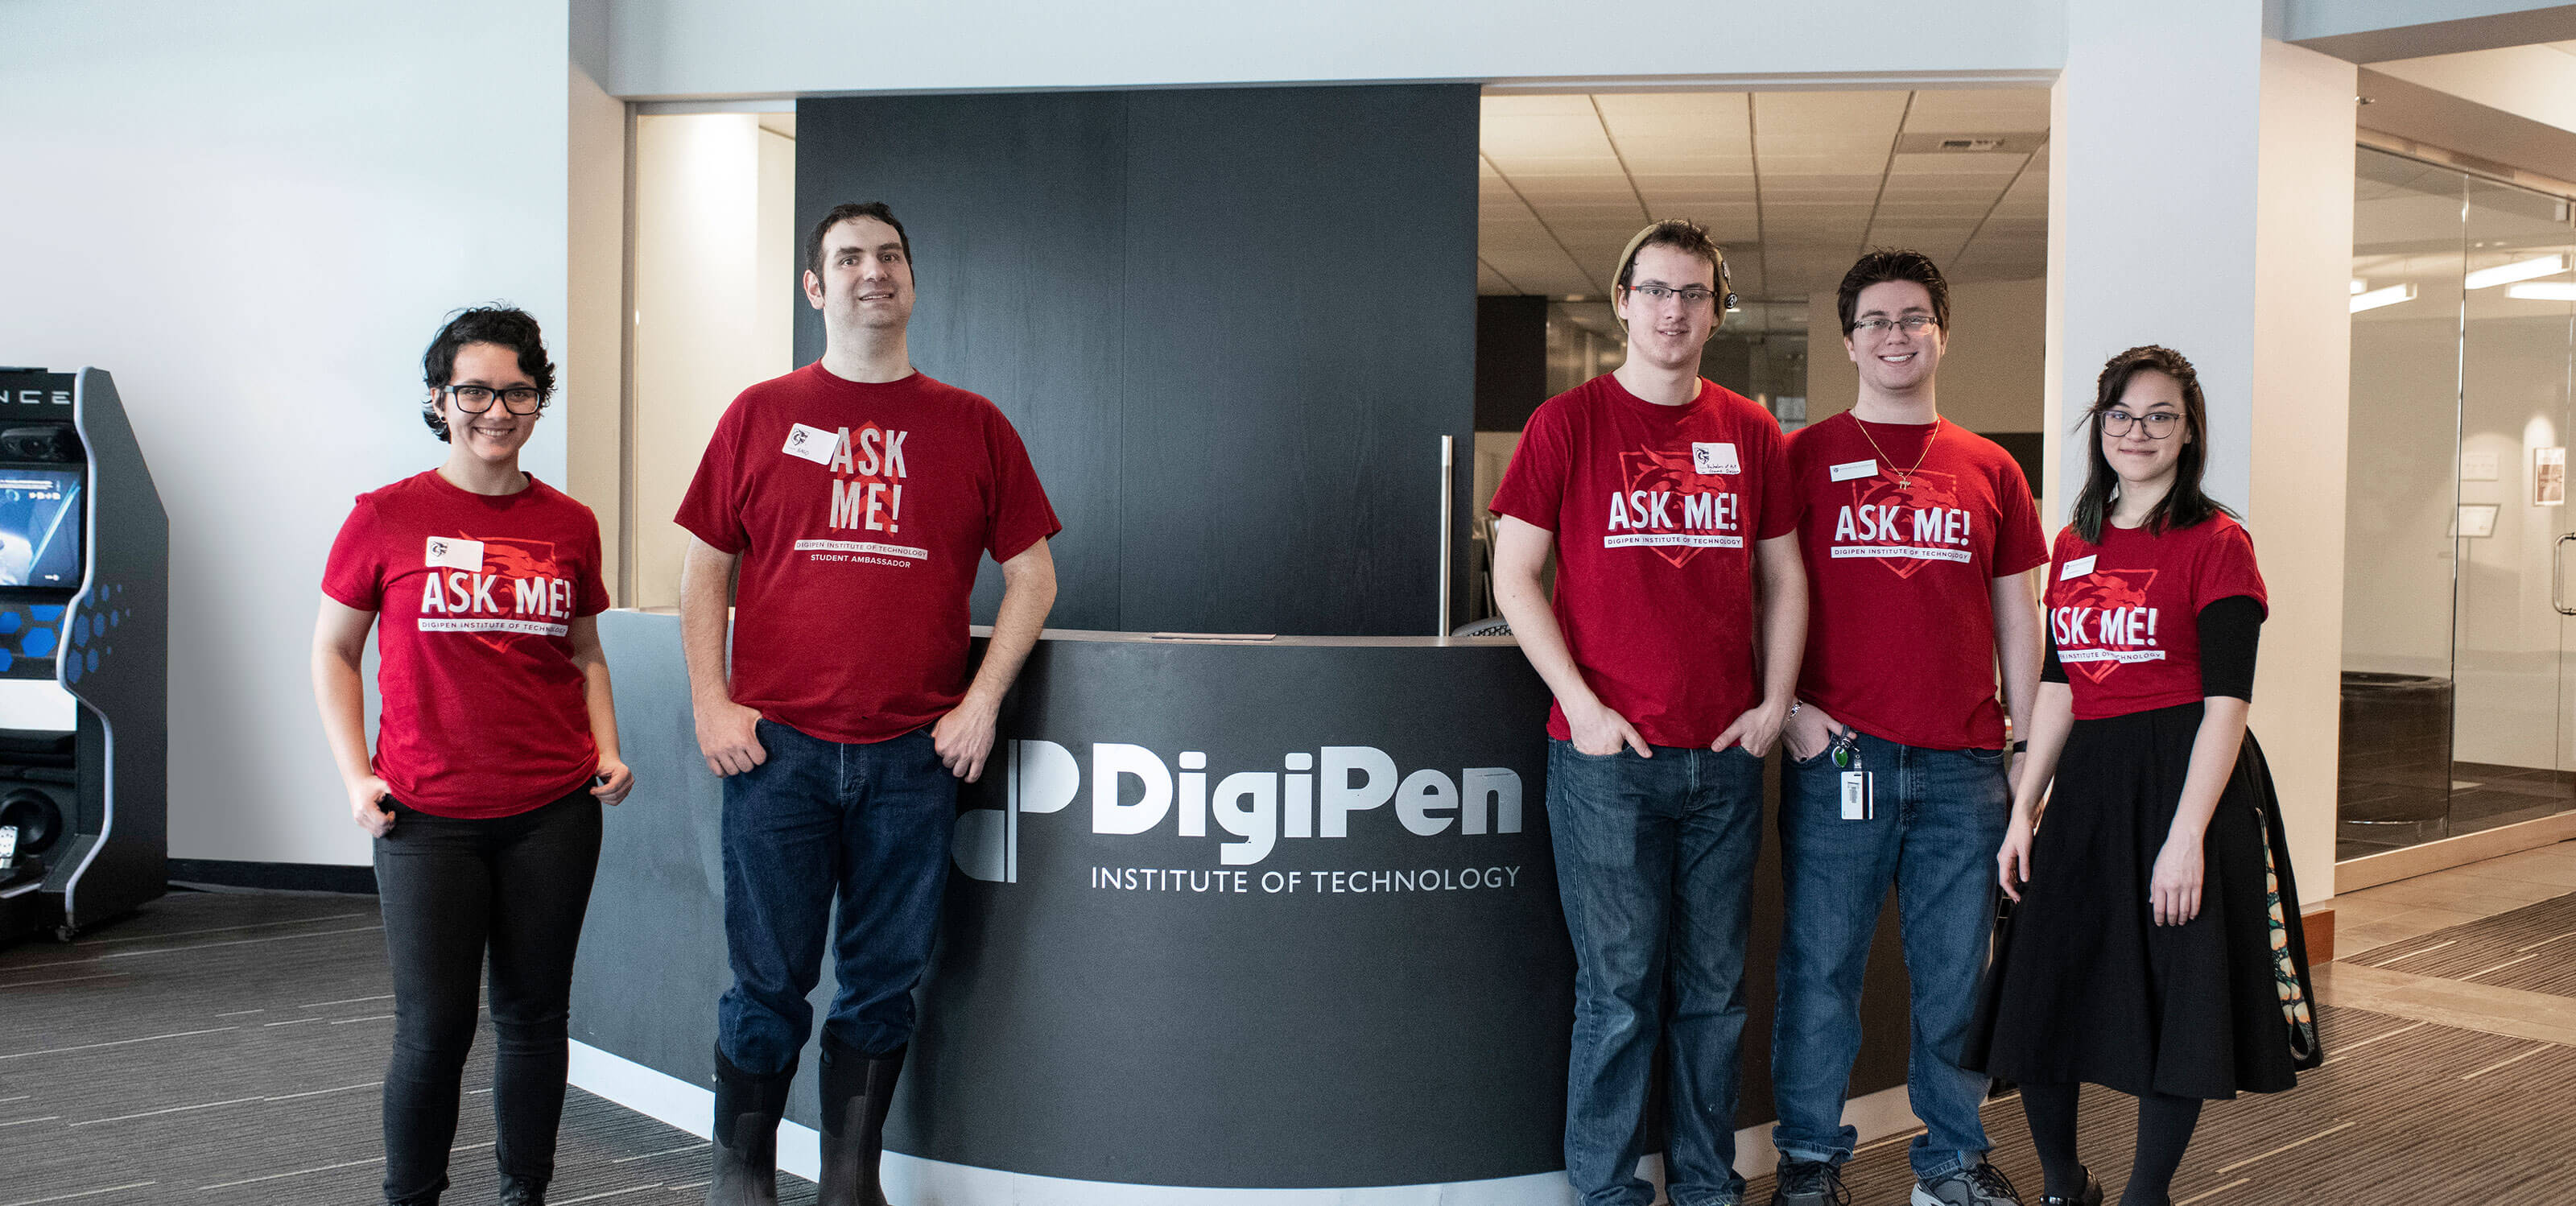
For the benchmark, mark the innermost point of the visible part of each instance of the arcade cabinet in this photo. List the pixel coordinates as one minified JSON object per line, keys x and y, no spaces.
{"x":84,"y":658}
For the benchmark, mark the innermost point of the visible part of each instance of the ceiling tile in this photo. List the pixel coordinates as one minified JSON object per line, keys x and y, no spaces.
{"x":1956,"y":163}
{"x":1521,"y":104}
{"x":1979,"y":111}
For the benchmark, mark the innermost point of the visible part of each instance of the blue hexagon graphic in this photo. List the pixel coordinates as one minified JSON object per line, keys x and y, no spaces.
{"x":37,"y":643}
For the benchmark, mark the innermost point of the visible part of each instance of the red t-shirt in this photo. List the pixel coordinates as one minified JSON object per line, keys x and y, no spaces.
{"x":1656,"y":510}
{"x":483,"y":712}
{"x":2125,"y":613}
{"x":860,"y":512}
{"x":1900,"y":602}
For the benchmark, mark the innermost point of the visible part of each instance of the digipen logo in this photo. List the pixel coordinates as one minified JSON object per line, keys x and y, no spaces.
{"x":1255,"y":808}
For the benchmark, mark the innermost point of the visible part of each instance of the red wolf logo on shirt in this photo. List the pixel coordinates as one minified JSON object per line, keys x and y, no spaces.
{"x":520,"y":579}
{"x":1665,"y":489}
{"x":1928,"y":490}
{"x":2105,"y":609}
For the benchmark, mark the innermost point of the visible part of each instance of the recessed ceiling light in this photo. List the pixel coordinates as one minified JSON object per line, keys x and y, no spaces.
{"x":2382,"y":297}
{"x":2519,"y":270}
{"x":2550,"y":291}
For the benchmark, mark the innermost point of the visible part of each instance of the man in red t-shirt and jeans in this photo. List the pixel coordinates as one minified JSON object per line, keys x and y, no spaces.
{"x":1919,"y":540}
{"x":1672,"y":648}
{"x":857,"y":497}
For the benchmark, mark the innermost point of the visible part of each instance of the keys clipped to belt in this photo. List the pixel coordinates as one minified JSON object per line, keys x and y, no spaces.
{"x":1860,"y":797}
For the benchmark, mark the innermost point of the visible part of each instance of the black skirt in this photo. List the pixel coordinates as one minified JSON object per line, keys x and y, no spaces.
{"x":2086,"y":987}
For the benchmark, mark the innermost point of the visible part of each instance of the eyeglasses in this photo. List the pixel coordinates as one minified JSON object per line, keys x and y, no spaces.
{"x":1693,"y":296}
{"x":1913,"y":324}
{"x":2159,"y":425}
{"x":475,"y":399}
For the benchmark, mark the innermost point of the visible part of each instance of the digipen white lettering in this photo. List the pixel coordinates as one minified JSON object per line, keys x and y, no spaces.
{"x":1318,"y":795}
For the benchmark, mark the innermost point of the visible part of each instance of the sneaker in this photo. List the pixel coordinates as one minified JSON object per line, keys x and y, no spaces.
{"x":1809,"y":1183}
{"x":2090,"y":1195}
{"x":1979,"y":1184}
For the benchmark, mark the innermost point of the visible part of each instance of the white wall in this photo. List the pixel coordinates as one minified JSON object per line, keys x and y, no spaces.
{"x":256,"y":215}
{"x":1992,"y":376}
{"x":593,"y":354}
{"x":714,"y":303}
{"x":2538,"y":82}
{"x":2217,"y":220}
{"x":2295,"y":417}
{"x":686,"y":48}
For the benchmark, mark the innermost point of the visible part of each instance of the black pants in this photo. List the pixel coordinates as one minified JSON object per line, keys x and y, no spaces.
{"x":451,"y":890}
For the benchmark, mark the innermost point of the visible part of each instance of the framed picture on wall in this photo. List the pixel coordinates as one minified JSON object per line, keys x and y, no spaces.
{"x":2549,"y":477}
{"x":2477,"y":519}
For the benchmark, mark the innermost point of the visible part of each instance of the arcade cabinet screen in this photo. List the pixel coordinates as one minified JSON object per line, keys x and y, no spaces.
{"x":40,"y":527}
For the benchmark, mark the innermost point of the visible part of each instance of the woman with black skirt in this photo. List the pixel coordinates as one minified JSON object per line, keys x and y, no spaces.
{"x":2154,"y":947}
{"x":496,"y":748}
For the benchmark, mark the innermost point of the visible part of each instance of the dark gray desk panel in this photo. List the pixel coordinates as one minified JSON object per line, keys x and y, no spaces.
{"x":1107,"y":1006}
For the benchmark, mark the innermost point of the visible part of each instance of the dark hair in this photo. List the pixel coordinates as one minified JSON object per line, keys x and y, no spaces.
{"x":1682,"y":235}
{"x":843,"y":213}
{"x":2182,"y":506}
{"x":1886,"y":264}
{"x":499,"y":323}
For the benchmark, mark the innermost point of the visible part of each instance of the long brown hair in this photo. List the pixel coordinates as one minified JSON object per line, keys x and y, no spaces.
{"x":2182,"y":506}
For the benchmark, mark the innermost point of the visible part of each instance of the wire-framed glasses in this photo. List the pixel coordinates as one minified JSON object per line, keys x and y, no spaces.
{"x":1693,"y":296}
{"x":1914,"y":324}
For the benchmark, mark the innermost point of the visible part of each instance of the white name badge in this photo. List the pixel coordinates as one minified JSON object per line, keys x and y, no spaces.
{"x":1850,"y":469}
{"x":2076,"y":568}
{"x":453,"y":552}
{"x":1859,"y":801}
{"x":1714,"y":458}
{"x":812,"y":443}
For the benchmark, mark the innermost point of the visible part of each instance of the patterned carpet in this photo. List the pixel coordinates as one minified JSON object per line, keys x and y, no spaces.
{"x":226,"y":1048}
{"x":2532,"y":948}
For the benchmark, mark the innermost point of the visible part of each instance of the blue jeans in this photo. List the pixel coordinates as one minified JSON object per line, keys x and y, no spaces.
{"x":1654,"y":860}
{"x":871,"y":822}
{"x":1940,"y":818}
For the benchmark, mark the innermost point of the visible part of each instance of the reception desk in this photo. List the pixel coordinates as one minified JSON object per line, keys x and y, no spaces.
{"x":1253,"y":916}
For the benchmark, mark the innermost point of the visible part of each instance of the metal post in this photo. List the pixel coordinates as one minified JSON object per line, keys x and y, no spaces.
{"x":1448,"y":504}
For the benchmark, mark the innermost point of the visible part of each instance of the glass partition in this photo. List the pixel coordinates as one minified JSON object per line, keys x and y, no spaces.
{"x":2456,"y":701}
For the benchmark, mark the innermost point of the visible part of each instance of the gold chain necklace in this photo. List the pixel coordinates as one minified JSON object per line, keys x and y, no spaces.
{"x":1904,"y":477}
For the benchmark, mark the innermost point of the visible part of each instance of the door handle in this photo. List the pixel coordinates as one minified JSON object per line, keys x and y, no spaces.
{"x":2557,"y":575}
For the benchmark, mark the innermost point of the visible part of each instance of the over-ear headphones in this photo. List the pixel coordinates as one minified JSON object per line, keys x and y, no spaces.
{"x":1628,"y":256}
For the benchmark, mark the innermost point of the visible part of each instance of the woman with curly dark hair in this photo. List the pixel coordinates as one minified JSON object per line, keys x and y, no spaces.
{"x":2154,"y":947}
{"x":496,"y":747}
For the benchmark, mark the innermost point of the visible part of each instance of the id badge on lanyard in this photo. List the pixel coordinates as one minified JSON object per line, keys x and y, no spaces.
{"x":1860,"y":796}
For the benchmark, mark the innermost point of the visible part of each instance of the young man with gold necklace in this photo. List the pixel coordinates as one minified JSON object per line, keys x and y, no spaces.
{"x":1919,"y":538}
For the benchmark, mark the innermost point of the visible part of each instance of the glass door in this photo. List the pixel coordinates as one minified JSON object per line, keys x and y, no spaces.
{"x":2512,"y":728}
{"x":2399,"y":545}
{"x":2459,"y":711}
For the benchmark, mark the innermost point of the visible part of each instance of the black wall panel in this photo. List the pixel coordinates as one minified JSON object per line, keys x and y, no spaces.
{"x":1511,"y":360}
{"x":1230,"y":324}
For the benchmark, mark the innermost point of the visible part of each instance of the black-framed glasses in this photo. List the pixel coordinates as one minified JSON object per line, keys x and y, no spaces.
{"x":476,"y":399}
{"x":1694,"y":296}
{"x":1914,"y":324}
{"x":2160,"y":424}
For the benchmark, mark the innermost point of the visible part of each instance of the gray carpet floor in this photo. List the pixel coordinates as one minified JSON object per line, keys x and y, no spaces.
{"x":2532,"y":948}
{"x":226,"y":1048}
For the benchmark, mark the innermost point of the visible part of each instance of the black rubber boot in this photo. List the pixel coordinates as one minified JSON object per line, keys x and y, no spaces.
{"x":748,"y":1107}
{"x":515,"y":1192}
{"x":856,"y":1092}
